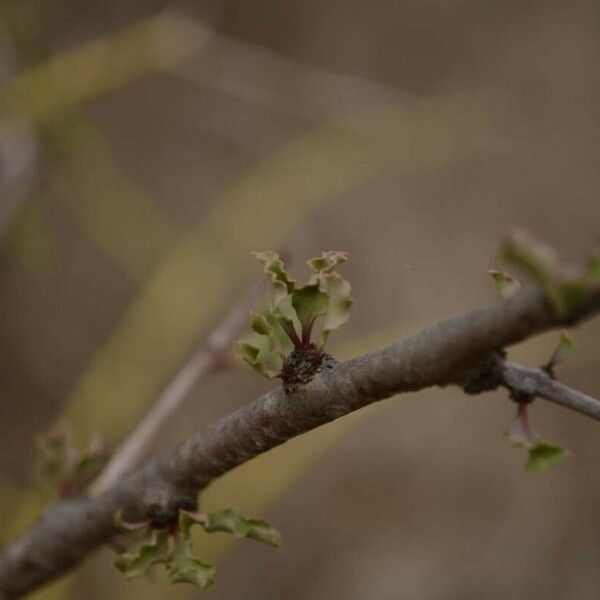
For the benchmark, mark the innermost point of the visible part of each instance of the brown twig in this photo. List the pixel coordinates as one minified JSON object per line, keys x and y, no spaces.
{"x":537,"y":383}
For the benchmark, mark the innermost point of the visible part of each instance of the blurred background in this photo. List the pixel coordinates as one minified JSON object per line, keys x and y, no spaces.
{"x":146,"y":148}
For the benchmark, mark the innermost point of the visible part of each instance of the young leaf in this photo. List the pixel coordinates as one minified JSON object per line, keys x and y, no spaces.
{"x":543,"y":456}
{"x":281,"y":283}
{"x":540,"y":455}
{"x":340,"y":303}
{"x":260,"y":325}
{"x":230,"y":521}
{"x":152,"y":549}
{"x":506,"y":284}
{"x":309,"y":303}
{"x":327,"y":262}
{"x":184,"y":567}
{"x":258,"y":354}
{"x":562,"y":352}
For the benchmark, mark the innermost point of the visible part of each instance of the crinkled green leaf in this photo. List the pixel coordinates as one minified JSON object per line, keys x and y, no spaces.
{"x":543,"y":456}
{"x":309,"y":302}
{"x":281,"y":283}
{"x":282,"y":342}
{"x":152,"y":549}
{"x":563,"y":350}
{"x":260,"y":325}
{"x":506,"y":284}
{"x":184,"y":567}
{"x":327,"y":262}
{"x":258,"y":354}
{"x":340,"y":302}
{"x":231,"y":521}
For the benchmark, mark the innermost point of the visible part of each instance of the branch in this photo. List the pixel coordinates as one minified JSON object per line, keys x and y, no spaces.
{"x":538,"y":383}
{"x":199,"y":365}
{"x":439,"y":355}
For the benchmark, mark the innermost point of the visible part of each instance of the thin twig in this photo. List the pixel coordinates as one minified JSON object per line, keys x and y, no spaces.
{"x":204,"y":361}
{"x":538,"y":383}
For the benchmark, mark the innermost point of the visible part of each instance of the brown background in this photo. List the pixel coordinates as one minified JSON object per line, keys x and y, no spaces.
{"x":412,"y":134}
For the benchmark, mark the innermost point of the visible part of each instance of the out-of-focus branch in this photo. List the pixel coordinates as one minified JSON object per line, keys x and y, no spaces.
{"x":199,"y":365}
{"x":439,"y":355}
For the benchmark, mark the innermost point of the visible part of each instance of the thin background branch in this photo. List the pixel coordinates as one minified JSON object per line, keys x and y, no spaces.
{"x":208,"y":358}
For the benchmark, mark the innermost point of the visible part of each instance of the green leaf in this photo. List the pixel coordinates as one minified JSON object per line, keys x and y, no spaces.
{"x":281,"y":283}
{"x":184,"y":567}
{"x":231,"y":521}
{"x":258,"y":354}
{"x":506,"y":284}
{"x":277,"y":320}
{"x":260,"y":325}
{"x":543,"y":456}
{"x":309,"y":302}
{"x":340,"y":303}
{"x":327,"y":262}
{"x":563,"y":350}
{"x":152,"y":549}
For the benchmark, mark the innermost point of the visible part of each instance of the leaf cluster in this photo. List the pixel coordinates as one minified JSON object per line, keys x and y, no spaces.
{"x":172,"y":545}
{"x":287,"y":322}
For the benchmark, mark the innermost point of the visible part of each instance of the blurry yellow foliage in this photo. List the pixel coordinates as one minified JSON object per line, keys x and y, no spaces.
{"x":97,"y":67}
{"x":112,"y":211}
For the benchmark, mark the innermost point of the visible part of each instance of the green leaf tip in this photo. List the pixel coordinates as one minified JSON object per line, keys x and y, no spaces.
{"x":505,"y":283}
{"x":287,"y":323}
{"x":563,"y":351}
{"x":231,"y":521}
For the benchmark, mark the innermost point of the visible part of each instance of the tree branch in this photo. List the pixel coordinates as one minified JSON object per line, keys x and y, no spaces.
{"x":538,"y":383}
{"x":443,"y":354}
